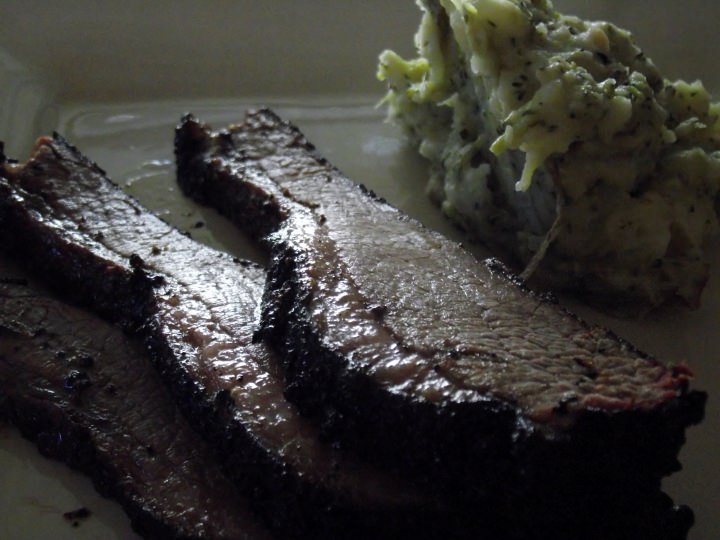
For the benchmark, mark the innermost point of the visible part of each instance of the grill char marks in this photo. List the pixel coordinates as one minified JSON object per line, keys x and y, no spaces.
{"x":417,"y":355}
{"x":197,"y":309}
{"x":88,"y":396}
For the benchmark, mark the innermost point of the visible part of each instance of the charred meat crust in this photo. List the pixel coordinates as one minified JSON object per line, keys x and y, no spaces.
{"x":198,"y":177}
{"x":476,"y":446}
{"x":88,"y":396}
{"x":99,"y":247}
{"x":526,"y":475}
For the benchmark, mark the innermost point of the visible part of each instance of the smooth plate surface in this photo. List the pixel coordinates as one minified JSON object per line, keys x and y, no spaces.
{"x":115,"y":78}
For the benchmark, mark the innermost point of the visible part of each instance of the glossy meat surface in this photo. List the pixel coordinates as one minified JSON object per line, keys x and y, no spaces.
{"x":88,"y":395}
{"x":416,"y":354}
{"x":465,"y":328}
{"x":197,"y":309}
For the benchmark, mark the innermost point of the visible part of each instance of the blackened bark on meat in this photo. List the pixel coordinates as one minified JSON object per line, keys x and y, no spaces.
{"x":196,"y":309}
{"x":199,"y":178}
{"x":419,"y":357}
{"x":88,"y":396}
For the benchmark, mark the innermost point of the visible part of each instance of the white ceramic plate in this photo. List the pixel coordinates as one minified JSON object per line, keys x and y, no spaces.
{"x":114,"y":78}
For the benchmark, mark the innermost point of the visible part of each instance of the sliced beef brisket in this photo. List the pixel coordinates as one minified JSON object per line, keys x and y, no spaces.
{"x":197,"y":310}
{"x":416,"y":354}
{"x":88,"y":396}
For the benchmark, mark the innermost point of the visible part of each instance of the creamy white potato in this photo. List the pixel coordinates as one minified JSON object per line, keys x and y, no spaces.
{"x":557,"y":138}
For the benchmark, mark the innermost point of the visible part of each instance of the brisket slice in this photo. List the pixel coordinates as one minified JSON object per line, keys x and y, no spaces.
{"x":88,"y":396}
{"x":197,"y":310}
{"x":416,"y":354}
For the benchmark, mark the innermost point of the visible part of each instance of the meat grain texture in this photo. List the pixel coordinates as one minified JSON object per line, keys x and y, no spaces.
{"x":88,"y":395}
{"x":196,"y":310}
{"x":422,"y":358}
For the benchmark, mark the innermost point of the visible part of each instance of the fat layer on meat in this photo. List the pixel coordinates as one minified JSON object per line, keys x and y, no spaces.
{"x":417,"y":355}
{"x":87,"y":395}
{"x":197,"y":310}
